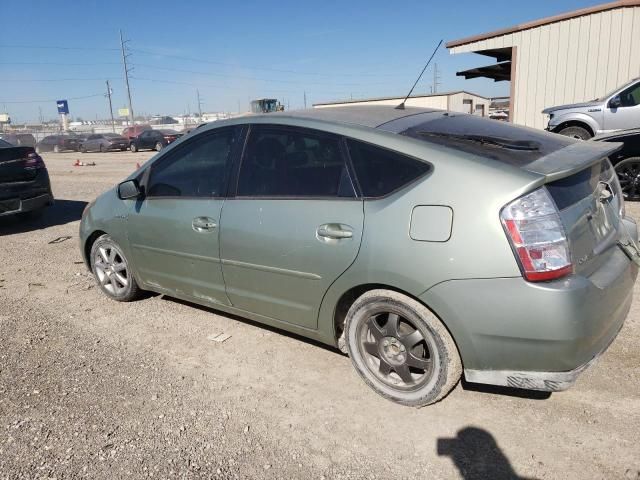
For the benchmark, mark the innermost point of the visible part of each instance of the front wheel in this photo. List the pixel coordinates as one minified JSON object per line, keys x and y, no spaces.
{"x":628,"y":172}
{"x":56,"y":149}
{"x":401,"y":349}
{"x":101,"y":148}
{"x":576,"y":132}
{"x":112,"y":271}
{"x":133,"y":148}
{"x":159,"y":146}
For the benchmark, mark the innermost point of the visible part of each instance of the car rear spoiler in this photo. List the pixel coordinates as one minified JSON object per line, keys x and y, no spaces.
{"x":571,"y":159}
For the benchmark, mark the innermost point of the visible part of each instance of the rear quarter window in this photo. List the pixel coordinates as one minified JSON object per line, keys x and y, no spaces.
{"x":380,"y":171}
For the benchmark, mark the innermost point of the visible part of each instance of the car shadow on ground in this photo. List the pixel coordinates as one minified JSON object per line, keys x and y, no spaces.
{"x":250,"y":322}
{"x":473,"y":387}
{"x":477,"y":456}
{"x":506,"y":391}
{"x":60,"y":213}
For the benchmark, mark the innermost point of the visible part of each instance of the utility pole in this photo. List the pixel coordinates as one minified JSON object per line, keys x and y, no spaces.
{"x":199,"y":104}
{"x":305,"y":99}
{"x":108,"y":95}
{"x":126,"y":77}
{"x":436,"y":78}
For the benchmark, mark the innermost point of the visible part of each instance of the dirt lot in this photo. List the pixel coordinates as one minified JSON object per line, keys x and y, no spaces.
{"x":93,"y":388}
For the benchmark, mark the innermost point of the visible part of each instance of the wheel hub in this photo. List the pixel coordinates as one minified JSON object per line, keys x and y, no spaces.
{"x":393,"y":351}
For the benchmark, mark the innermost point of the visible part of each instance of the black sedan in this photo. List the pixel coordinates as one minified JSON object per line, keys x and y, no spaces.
{"x":102,"y":142}
{"x":626,"y":161}
{"x":24,"y":181}
{"x":58,"y":143}
{"x":154,"y":140}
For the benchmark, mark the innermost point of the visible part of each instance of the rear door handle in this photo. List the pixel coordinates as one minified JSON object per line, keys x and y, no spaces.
{"x":335,"y":231}
{"x":203,"y":224}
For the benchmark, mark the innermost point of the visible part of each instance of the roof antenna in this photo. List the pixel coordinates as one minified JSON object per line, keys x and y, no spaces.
{"x":401,"y":106}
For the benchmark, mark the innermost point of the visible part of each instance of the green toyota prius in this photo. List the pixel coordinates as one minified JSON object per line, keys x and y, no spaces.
{"x":424,"y":244}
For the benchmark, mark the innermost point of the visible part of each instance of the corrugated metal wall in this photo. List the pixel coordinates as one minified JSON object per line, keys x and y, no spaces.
{"x":569,"y":61}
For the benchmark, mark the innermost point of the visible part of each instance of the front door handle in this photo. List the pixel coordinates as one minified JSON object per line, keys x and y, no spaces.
{"x":204,"y":224}
{"x":334,"y":231}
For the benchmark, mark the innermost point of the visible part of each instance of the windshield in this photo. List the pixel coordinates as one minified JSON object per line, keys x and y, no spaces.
{"x":4,"y":144}
{"x":604,"y":97}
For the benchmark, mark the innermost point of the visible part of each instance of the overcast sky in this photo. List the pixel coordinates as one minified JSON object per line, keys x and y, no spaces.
{"x":235,"y":51}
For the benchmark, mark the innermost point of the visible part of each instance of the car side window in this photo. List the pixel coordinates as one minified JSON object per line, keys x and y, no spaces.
{"x":199,"y":168}
{"x":286,"y":162}
{"x":380,"y":171}
{"x":631,"y":96}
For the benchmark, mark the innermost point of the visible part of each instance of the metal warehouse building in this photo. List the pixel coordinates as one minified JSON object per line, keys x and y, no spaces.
{"x":567,"y":58}
{"x":459,"y":101}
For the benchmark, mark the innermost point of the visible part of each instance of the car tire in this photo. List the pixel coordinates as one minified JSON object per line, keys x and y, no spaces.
{"x":56,"y":149}
{"x":133,"y":148}
{"x":411,"y":358}
{"x":112,"y":271}
{"x":628,"y":171}
{"x":83,"y":149}
{"x":159,"y":146}
{"x":101,"y":149}
{"x":576,"y":132}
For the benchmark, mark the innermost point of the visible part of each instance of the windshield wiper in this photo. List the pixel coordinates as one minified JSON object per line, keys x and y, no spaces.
{"x":526,"y":145}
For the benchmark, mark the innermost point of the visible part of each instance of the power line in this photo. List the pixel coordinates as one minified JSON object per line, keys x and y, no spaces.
{"x":50,"y":79}
{"x":169,"y":69}
{"x":197,"y":60}
{"x":63,"y":64}
{"x":51,"y":47}
{"x":217,"y":86}
{"x":55,"y":99}
{"x":213,"y":62}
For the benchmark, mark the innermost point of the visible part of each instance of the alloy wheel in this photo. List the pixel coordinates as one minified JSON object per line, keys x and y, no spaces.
{"x":629,"y":176}
{"x":111,"y":269}
{"x":396,"y":352}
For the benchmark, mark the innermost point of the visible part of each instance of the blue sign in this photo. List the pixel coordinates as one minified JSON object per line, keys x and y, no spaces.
{"x":63,"y":106}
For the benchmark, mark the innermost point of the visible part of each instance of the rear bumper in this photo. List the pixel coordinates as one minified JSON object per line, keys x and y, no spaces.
{"x":530,"y":380}
{"x":13,"y":206}
{"x":19,"y":197}
{"x":535,"y":335}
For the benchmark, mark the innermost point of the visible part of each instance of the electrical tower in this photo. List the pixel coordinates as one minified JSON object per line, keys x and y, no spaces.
{"x":126,"y":75}
{"x":108,"y":95}
{"x":199,"y":104}
{"x":436,"y":78}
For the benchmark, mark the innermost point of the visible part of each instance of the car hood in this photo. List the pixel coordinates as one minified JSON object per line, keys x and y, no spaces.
{"x":572,"y":106}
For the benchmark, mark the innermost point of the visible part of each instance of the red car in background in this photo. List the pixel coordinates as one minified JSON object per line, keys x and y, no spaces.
{"x":132,"y":132}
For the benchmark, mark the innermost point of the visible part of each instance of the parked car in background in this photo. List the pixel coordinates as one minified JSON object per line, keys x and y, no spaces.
{"x":25,"y":188}
{"x":132,"y":132}
{"x":618,"y":110}
{"x":153,"y":140}
{"x":58,"y":143}
{"x":102,"y":142}
{"x":372,"y":229}
{"x":626,"y":161}
{"x":19,"y":139}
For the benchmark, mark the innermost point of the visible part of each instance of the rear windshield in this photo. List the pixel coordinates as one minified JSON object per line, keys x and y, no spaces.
{"x":500,"y":141}
{"x":570,"y":190}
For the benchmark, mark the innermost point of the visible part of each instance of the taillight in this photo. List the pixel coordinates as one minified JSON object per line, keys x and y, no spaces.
{"x":33,"y":161}
{"x":536,"y":233}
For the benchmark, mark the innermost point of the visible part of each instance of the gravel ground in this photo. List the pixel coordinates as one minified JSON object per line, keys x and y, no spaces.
{"x":98,"y":389}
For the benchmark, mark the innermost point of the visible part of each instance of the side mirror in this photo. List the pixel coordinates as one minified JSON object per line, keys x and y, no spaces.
{"x":129,"y":189}
{"x":615,"y":102}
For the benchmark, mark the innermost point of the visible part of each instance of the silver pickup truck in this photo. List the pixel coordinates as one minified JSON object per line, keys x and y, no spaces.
{"x":618,"y":110}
